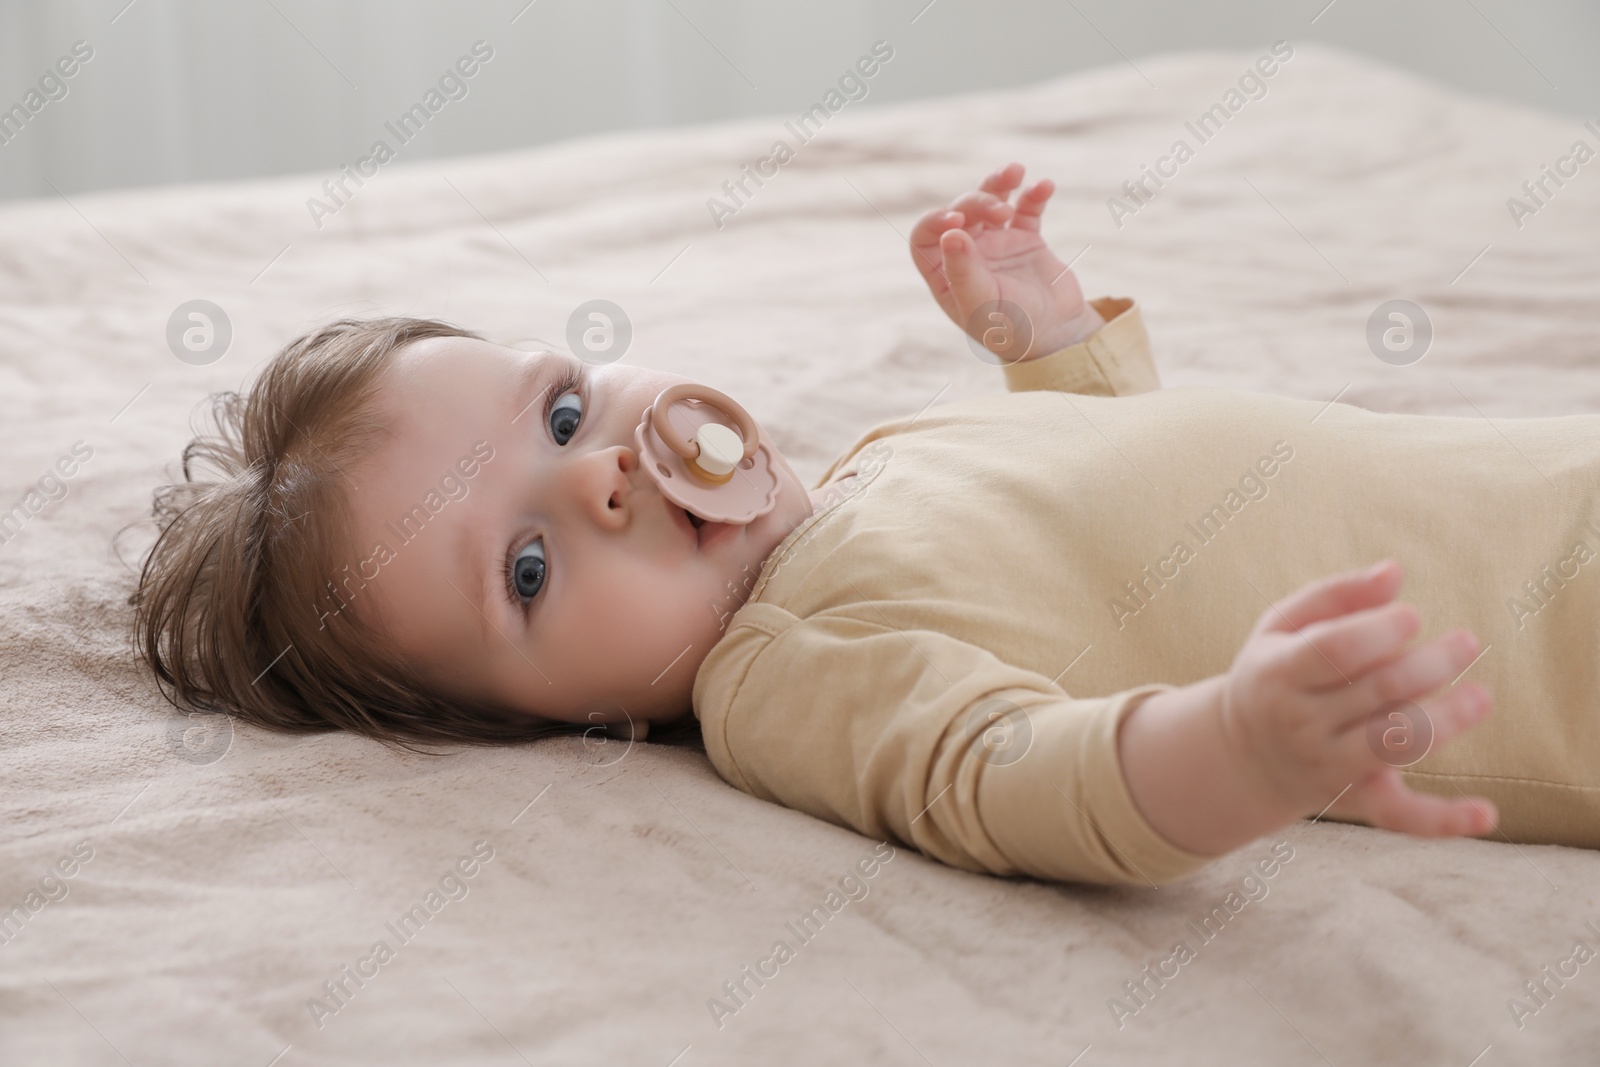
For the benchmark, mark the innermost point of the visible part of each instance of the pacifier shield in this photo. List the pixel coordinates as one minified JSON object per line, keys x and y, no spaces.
{"x":751,"y":488}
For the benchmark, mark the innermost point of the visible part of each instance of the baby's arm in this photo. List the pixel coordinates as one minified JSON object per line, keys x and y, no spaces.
{"x":1284,"y":732}
{"x":983,"y":249}
{"x":856,"y":716}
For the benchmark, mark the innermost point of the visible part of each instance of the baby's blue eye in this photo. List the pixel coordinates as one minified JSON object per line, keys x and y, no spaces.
{"x":565,"y":414}
{"x":527,"y":570}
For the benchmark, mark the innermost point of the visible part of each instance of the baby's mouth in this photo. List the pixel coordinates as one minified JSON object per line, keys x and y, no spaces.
{"x":694,"y":520}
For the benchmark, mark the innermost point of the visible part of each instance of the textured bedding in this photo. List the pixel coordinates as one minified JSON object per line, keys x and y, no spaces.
{"x":177,"y":890}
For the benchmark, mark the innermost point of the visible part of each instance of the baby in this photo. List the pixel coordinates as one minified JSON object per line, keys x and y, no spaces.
{"x":1064,"y":631}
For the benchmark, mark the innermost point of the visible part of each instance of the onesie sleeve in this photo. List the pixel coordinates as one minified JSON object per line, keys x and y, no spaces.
{"x":1113,"y":361}
{"x":920,"y":737}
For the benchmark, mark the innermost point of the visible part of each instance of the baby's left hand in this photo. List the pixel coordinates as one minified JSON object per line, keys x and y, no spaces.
{"x":983,"y":248}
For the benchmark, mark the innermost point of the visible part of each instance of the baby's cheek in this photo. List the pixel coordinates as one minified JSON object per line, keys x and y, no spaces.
{"x":653,"y":608}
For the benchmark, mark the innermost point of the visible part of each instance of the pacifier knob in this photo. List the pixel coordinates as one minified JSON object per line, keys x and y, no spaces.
{"x":721,"y":449}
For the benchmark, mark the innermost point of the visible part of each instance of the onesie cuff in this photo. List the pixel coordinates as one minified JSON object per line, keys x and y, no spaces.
{"x":1073,"y":818}
{"x":1112,"y":361}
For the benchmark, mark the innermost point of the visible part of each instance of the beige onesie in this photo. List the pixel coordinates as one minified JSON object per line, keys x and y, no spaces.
{"x":941,"y":655}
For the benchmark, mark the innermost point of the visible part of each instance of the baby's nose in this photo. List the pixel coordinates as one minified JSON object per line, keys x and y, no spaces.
{"x":605,"y":484}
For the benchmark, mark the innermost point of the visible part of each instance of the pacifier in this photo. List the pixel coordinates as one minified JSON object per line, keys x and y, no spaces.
{"x":719,"y":472}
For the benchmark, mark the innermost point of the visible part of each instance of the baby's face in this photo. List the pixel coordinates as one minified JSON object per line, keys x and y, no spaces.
{"x":614,"y":597}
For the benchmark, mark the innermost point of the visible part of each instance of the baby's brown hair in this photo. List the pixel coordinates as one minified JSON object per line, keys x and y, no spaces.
{"x":226,"y":609}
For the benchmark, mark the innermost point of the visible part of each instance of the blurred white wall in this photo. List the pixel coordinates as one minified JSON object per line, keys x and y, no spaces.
{"x":181,"y":90}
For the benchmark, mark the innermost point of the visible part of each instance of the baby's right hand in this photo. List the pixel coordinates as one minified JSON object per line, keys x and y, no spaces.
{"x":1295,"y":707}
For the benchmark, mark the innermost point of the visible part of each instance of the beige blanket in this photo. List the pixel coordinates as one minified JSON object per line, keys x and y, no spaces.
{"x":174,"y":895}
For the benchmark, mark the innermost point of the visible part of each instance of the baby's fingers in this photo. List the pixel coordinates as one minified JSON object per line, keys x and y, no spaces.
{"x":925,"y":245}
{"x":1337,"y":594}
{"x":925,"y":233}
{"x":971,"y":284}
{"x":1003,"y":181}
{"x":1388,"y":804}
{"x":1336,"y":653}
{"x":1412,"y":676}
{"x":980,"y":208}
{"x":1030,"y":205}
{"x":1402,"y":732}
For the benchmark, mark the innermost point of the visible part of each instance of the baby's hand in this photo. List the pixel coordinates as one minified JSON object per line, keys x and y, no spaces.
{"x":1296,"y":709}
{"x":1303,"y":723}
{"x":982,"y":249}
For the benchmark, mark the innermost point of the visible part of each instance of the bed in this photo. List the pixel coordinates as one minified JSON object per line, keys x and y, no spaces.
{"x":229,"y":888}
